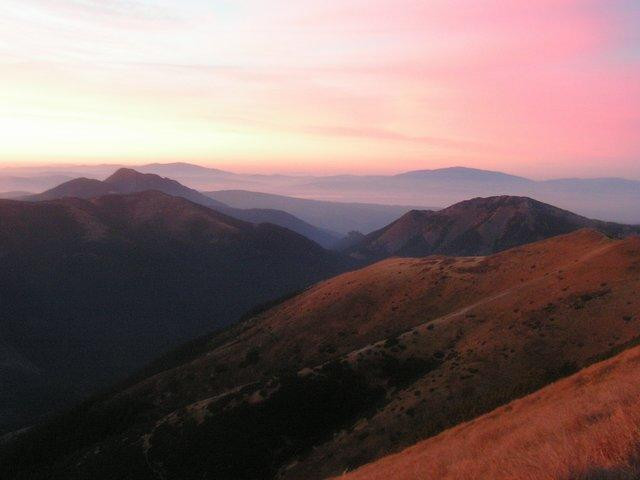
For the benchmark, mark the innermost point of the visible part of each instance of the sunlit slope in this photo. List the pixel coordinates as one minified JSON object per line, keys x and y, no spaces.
{"x":582,"y":427}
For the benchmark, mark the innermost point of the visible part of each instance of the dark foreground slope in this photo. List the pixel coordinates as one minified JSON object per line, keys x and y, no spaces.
{"x":480,"y":226}
{"x":355,"y":368}
{"x":584,"y":427}
{"x":126,"y":180}
{"x":92,"y":289}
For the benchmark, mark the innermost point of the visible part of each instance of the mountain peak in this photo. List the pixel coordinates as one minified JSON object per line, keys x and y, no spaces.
{"x":128,"y":174}
{"x":128,"y":180}
{"x":500,"y":201}
{"x":478,"y":226}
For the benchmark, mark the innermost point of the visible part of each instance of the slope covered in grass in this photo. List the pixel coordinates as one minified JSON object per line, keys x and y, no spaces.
{"x":586,"y":426}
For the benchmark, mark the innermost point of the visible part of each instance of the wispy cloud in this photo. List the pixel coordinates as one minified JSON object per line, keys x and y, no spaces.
{"x":495,"y":83}
{"x":382,"y":134}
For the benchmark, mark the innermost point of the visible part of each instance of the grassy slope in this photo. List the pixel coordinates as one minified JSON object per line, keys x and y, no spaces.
{"x":586,"y":426}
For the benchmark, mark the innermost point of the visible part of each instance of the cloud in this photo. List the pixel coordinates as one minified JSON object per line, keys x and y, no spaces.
{"x":383,"y":134}
{"x":502,"y":81}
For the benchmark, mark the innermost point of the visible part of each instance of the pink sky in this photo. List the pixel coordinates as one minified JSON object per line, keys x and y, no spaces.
{"x":541,"y":88}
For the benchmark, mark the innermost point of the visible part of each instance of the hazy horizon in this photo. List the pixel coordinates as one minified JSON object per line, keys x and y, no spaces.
{"x":244,"y":170}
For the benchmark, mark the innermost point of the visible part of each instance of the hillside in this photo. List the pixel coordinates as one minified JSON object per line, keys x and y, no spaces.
{"x":356,"y":367}
{"x":479,"y":226}
{"x":582,"y":427}
{"x":90,"y":290}
{"x":126,"y":180}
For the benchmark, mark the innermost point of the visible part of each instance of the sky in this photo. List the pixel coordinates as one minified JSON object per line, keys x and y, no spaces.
{"x":541,"y":88}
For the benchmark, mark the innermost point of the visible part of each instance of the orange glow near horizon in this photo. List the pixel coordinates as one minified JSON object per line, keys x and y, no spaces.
{"x":545,"y":88}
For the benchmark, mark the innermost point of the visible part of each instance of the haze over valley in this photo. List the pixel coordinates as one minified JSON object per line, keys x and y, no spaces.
{"x":609,"y":199}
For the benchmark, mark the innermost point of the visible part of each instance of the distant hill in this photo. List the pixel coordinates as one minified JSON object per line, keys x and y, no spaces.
{"x":354,"y":368}
{"x":180,"y":168}
{"x":476,"y":227}
{"x":90,"y":290}
{"x":611,"y":199}
{"x":582,"y":427}
{"x":335,"y":216}
{"x":126,"y":180}
{"x":464,"y":175}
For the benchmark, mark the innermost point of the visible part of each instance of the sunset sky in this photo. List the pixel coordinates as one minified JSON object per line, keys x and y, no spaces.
{"x":541,"y":88}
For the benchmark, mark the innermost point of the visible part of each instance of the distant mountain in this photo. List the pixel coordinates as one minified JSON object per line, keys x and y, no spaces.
{"x":196,"y":176}
{"x":127,"y":180}
{"x":612,"y":199}
{"x":92,"y":289}
{"x":180,"y":168}
{"x":124,"y":180}
{"x":360,"y":366}
{"x":476,"y":227}
{"x":334,"y":216}
{"x":465,"y":175}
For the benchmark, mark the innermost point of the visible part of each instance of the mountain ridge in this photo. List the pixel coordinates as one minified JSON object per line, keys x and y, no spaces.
{"x":463,"y":173}
{"x":478,"y":226}
{"x":128,"y":180}
{"x":612,"y":199}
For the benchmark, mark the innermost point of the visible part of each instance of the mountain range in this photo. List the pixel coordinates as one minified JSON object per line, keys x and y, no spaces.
{"x":610,"y":199}
{"x":236,"y":347}
{"x":91,"y":289}
{"x":87,"y":224}
{"x":354,"y":368}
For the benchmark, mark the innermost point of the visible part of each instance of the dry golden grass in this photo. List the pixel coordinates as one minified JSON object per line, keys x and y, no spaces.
{"x":584,"y":427}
